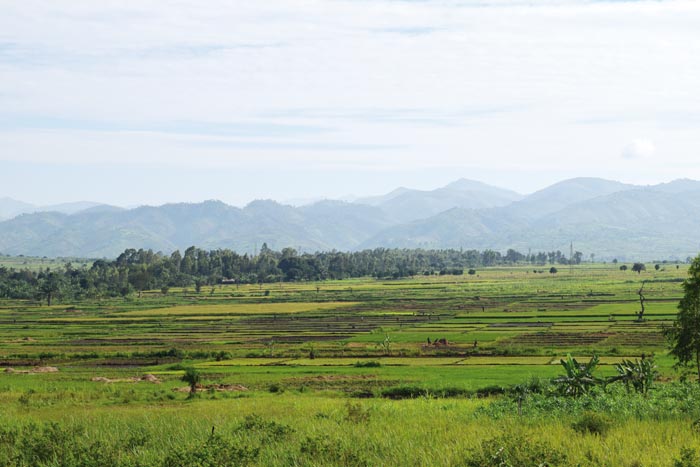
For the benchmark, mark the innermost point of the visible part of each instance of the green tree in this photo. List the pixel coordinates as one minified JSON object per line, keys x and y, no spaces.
{"x":639,"y":267}
{"x":193,"y":378}
{"x":684,"y":335}
{"x":50,"y":286}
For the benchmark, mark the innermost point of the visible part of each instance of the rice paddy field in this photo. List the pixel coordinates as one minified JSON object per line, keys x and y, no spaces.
{"x":416,"y":371}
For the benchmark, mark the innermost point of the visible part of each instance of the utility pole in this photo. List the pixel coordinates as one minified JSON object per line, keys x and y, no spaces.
{"x":571,"y":258}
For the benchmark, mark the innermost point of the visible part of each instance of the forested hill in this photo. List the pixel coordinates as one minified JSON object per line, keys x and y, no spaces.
{"x":606,"y":218}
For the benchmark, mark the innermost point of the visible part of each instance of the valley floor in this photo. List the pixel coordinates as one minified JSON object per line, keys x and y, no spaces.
{"x":421,"y":371}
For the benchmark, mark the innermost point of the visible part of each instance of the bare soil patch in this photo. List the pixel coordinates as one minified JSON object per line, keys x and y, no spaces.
{"x":35,"y":370}
{"x":135,"y":379}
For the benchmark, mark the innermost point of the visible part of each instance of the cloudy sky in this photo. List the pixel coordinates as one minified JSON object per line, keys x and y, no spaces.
{"x":155,"y":101}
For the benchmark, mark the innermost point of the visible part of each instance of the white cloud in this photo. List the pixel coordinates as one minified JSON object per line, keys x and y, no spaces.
{"x":639,"y":149}
{"x":503,"y":85}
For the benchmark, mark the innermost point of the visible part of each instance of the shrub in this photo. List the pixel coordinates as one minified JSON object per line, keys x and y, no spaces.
{"x":489,"y":391}
{"x":215,"y":452}
{"x":369,"y":364}
{"x":453,"y":392}
{"x":362,"y":394}
{"x":404,"y":392}
{"x":325,"y":451}
{"x":357,"y":413}
{"x":222,"y":355}
{"x":58,"y":444}
{"x":593,"y":423}
{"x":268,"y":430}
{"x":689,"y":458}
{"x":515,"y":450}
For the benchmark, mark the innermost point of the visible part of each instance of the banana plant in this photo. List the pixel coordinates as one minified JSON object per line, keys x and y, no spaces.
{"x":638,"y":374}
{"x":579,"y":378}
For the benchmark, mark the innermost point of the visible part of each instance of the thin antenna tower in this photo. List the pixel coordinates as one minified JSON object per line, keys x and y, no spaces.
{"x":571,"y":258}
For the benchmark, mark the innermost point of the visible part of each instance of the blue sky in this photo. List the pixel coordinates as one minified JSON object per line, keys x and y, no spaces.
{"x":152,"y":102}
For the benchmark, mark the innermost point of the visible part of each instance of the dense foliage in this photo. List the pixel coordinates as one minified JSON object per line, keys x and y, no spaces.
{"x":684,"y":335}
{"x":136,"y":270}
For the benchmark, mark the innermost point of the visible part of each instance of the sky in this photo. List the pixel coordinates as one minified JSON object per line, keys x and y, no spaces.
{"x":150,"y":102}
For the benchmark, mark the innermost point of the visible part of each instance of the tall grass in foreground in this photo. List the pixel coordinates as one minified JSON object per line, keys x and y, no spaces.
{"x":295,"y":429}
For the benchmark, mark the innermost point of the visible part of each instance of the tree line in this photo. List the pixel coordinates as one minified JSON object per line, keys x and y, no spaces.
{"x":137,"y":270}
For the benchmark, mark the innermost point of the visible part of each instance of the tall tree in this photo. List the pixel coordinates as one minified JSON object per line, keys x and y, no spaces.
{"x":684,"y":335}
{"x":50,"y":286}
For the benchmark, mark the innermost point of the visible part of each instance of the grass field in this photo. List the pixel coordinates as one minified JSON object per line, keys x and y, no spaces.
{"x":313,"y":367}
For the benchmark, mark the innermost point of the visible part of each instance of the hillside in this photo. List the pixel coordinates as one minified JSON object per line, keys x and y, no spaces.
{"x":607,"y":218}
{"x":407,"y":205}
{"x":10,"y":208}
{"x":211,"y":224}
{"x":643,"y":223}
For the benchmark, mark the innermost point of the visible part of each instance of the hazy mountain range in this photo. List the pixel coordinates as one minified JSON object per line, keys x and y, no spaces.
{"x":606,"y":218}
{"x":10,"y":208}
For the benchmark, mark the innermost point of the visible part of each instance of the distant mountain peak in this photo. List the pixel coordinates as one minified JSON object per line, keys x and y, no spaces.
{"x":467,"y":184}
{"x":678,"y":186}
{"x":600,"y":216}
{"x":258,"y":203}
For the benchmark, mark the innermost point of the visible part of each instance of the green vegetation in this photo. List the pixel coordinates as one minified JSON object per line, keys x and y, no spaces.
{"x":140,"y":270}
{"x":507,"y":366}
{"x":685,"y":333}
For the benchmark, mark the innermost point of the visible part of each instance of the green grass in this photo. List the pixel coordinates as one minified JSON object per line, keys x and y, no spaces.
{"x":305,"y":351}
{"x":237,"y":309}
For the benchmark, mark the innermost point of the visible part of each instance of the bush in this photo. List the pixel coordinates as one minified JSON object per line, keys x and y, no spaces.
{"x":362,"y":394}
{"x":64,"y":445}
{"x":215,"y":452}
{"x":404,"y":392}
{"x":489,"y":391}
{"x":593,"y":423}
{"x":534,"y":385}
{"x":369,"y":364}
{"x":666,"y":402}
{"x":515,"y":450}
{"x":453,"y":392}
{"x":689,"y":458}
{"x":267,"y":430}
{"x":357,"y":413}
{"x":326,"y":451}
